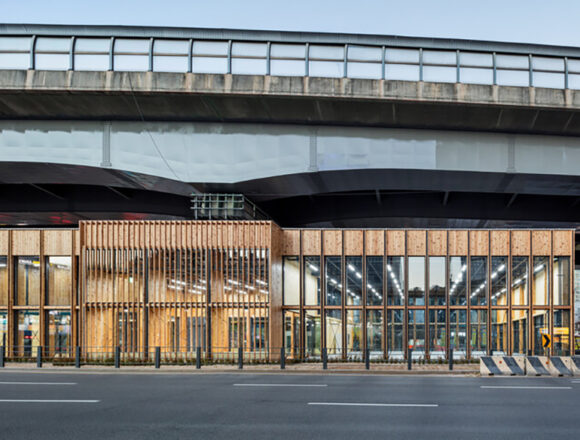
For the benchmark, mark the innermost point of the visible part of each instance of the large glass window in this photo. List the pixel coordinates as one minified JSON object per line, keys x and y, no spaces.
{"x":437,"y":278}
{"x":3,"y":281}
{"x":519,"y":290}
{"x":333,"y":266}
{"x":561,"y":337}
{"x":416,"y":332}
{"x":561,"y":281}
{"x":292,"y":333}
{"x":457,"y":281}
{"x":313,"y":331}
{"x":416,"y":281}
{"x":27,"y":333}
{"x":27,"y":281}
{"x":375,"y":332}
{"x":478,"y":333}
{"x":541,"y":283}
{"x":478,"y":281}
{"x":354,"y":281}
{"x":311,"y":281}
{"x":58,"y":281}
{"x":437,"y":334}
{"x":499,"y":332}
{"x":3,"y":328}
{"x":58,"y":331}
{"x":395,"y":332}
{"x":541,"y":328}
{"x":354,"y":333}
{"x":291,"y":281}
{"x":395,"y":281}
{"x":334,"y":334}
{"x":499,"y":281}
{"x":519,"y":332}
{"x":458,"y":333}
{"x":374,"y":281}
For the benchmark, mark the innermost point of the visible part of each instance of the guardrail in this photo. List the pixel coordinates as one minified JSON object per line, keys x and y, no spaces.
{"x":289,"y":54}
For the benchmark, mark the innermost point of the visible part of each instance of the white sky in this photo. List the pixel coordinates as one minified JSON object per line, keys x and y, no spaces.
{"x":531,"y":21}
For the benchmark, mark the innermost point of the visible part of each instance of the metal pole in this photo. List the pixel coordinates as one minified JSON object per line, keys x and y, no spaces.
{"x":157,"y":357}
{"x":367,"y":359}
{"x":450,"y":359}
{"x":2,"y":356}
{"x":282,"y":359}
{"x":324,"y":359}
{"x":240,"y":358}
{"x":77,"y":357}
{"x":117,"y":357}
{"x":38,"y":357}
{"x":198,"y":358}
{"x":409,"y":358}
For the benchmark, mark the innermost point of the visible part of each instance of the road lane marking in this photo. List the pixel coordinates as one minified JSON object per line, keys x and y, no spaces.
{"x":526,"y":387}
{"x":421,"y":405}
{"x":37,"y":383}
{"x":278,"y":385}
{"x":46,"y":401}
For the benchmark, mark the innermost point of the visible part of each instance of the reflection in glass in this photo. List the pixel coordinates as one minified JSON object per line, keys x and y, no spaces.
{"x":334,"y":333}
{"x":3,"y":329}
{"x":395,"y":334}
{"x":58,"y":281}
{"x":374,"y":281}
{"x":478,"y":333}
{"x":27,"y":332}
{"x":291,"y":281}
{"x":458,"y":281}
{"x":58,"y":331}
{"x":312,"y":326}
{"x":416,"y":332}
{"x":312,"y":281}
{"x":561,"y":281}
{"x":541,"y":327}
{"x":375,"y":332}
{"x":27,"y":281}
{"x":333,"y":266}
{"x":437,"y":334}
{"x":292,"y":334}
{"x":458,"y":333}
{"x":437,"y":279}
{"x":499,"y":281}
{"x":519,"y":334}
{"x":541,"y":285}
{"x":354,"y":281}
{"x":519,"y":290}
{"x":3,"y":281}
{"x":478,"y":281}
{"x":561,"y":336}
{"x":354,"y":334}
{"x":499,"y":332}
{"x":416,"y":281}
{"x":395,"y":281}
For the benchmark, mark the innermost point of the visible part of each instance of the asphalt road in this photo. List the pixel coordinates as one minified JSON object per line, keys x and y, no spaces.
{"x":283,"y":406}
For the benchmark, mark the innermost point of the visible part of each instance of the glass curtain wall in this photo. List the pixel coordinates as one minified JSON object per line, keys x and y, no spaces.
{"x":375,"y":333}
{"x":333,"y":267}
{"x":395,"y":281}
{"x":437,"y":334}
{"x":375,"y":285}
{"x":354,"y":282}
{"x":437,"y":281}
{"x":311,"y":281}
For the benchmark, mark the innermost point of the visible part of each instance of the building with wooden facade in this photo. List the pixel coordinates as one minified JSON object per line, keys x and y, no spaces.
{"x":222,"y":285}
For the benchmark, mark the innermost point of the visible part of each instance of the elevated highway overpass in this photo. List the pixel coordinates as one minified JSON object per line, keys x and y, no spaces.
{"x":317,"y":129}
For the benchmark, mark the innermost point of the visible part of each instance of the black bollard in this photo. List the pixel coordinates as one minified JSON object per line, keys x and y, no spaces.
{"x":282,"y":359}
{"x":157,"y":357}
{"x":2,"y":356}
{"x":240,"y":358}
{"x":198,"y":358}
{"x":38,"y":357}
{"x":450,"y":359}
{"x":77,"y":357}
{"x":117,"y":357}
{"x":409,"y":358}
{"x":324,"y":359}
{"x":367,"y":359}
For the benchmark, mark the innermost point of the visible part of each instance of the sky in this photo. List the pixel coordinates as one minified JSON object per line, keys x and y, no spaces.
{"x":528,"y":21}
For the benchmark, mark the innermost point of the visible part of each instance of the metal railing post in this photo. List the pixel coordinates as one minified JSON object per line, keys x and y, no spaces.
{"x":77,"y":357}
{"x":450,"y":359}
{"x":240,"y":358}
{"x":367,"y":359}
{"x":38,"y":357}
{"x":117,"y":357}
{"x":2,"y":355}
{"x":282,"y":359}
{"x":421,"y":64}
{"x":409,"y":358}
{"x":531,"y":70}
{"x":157,"y":357}
{"x":198,"y":358}
{"x":324,"y":359}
